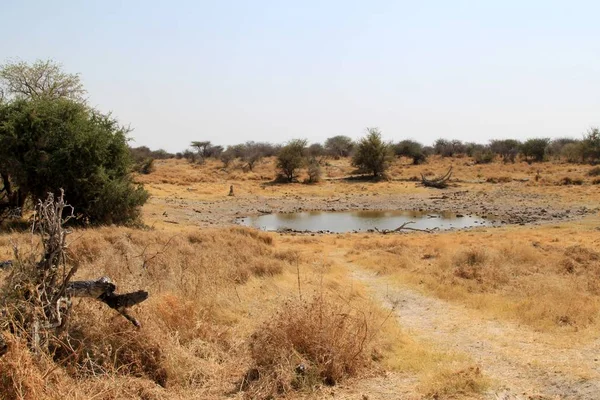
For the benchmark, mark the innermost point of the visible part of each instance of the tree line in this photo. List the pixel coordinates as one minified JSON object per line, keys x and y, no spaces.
{"x":372,"y":155}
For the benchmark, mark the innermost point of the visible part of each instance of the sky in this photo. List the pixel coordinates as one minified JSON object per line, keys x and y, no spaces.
{"x":232,"y":71}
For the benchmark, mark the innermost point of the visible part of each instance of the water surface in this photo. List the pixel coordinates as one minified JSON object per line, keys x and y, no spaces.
{"x":350,"y":221}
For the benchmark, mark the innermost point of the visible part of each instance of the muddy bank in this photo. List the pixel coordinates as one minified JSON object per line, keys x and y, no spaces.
{"x":499,"y":206}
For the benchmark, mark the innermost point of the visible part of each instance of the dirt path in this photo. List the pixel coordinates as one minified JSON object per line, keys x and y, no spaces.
{"x":517,"y":359}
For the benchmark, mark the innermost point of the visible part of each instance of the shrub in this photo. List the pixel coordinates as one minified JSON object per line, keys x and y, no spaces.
{"x":571,"y":181}
{"x":145,"y":167}
{"x":591,"y":146}
{"x":483,"y":157}
{"x":372,"y":155}
{"x":410,"y":149}
{"x":535,"y":148}
{"x":46,"y":145}
{"x":573,"y":152}
{"x":594,"y":171}
{"x":556,"y":147}
{"x":291,"y":158}
{"x":314,"y":171}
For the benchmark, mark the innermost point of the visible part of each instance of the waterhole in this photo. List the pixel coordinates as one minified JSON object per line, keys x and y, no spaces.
{"x":360,"y":221}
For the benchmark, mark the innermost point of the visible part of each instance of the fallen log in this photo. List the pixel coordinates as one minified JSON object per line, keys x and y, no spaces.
{"x":404,"y":227}
{"x":103,"y":290}
{"x":438,"y":183}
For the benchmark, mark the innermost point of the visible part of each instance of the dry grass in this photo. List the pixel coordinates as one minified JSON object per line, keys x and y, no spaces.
{"x":545,"y":278}
{"x":224,"y":301}
{"x":201,"y":327}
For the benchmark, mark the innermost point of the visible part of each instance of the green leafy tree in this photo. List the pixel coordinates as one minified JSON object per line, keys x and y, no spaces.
{"x":49,"y":144}
{"x":410,"y":149}
{"x":591,"y":146}
{"x":535,"y":149}
{"x":291,"y":158}
{"x":372,"y":154}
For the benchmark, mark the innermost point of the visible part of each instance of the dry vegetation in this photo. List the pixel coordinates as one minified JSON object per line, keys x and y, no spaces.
{"x":238,"y":313}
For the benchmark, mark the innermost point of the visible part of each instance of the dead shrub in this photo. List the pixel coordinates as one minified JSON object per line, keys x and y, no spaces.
{"x":253,"y":233}
{"x":308,"y":344}
{"x":468,"y":263}
{"x":570,"y":181}
{"x":581,"y":254}
{"x":594,"y":171}
{"x":447,"y":384}
{"x":498,"y":179}
{"x":109,"y":347}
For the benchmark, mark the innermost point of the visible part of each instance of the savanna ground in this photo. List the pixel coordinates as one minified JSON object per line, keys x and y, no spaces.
{"x":509,"y":312}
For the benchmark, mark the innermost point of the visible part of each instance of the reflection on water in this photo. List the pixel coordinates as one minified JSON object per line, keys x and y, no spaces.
{"x":349,"y":221}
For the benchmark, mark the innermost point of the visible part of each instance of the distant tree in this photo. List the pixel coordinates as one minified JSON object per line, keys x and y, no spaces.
{"x":448,"y":148}
{"x":372,"y":154}
{"x":44,"y":79}
{"x":339,"y":146}
{"x":50,"y":144}
{"x":313,"y":170}
{"x":252,"y":153}
{"x":410,"y":149}
{"x":202,"y":148}
{"x":291,"y":158}
{"x":316,"y":150}
{"x":483,"y":155}
{"x":508,"y":149}
{"x":227,"y":157}
{"x":556,"y":146}
{"x":591,"y":146}
{"x":573,"y":152}
{"x":535,"y":149}
{"x":472,"y":148}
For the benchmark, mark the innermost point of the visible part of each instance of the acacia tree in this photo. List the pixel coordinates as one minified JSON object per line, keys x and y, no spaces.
{"x":44,"y":79}
{"x":372,"y":154}
{"x":291,"y":158}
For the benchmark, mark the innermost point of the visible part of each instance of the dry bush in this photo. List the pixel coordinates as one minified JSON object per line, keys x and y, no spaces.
{"x":594,"y":171}
{"x":498,"y":179}
{"x":186,"y":340}
{"x":469,"y":263}
{"x":570,"y":181}
{"x":309,"y":344}
{"x":20,"y":378}
{"x":452,"y":384}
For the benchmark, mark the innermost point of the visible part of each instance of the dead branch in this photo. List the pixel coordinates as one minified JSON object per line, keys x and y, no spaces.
{"x":404,"y":227}
{"x":439,"y":182}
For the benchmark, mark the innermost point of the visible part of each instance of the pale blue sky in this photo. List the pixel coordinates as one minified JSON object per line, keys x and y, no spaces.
{"x":231,"y":71}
